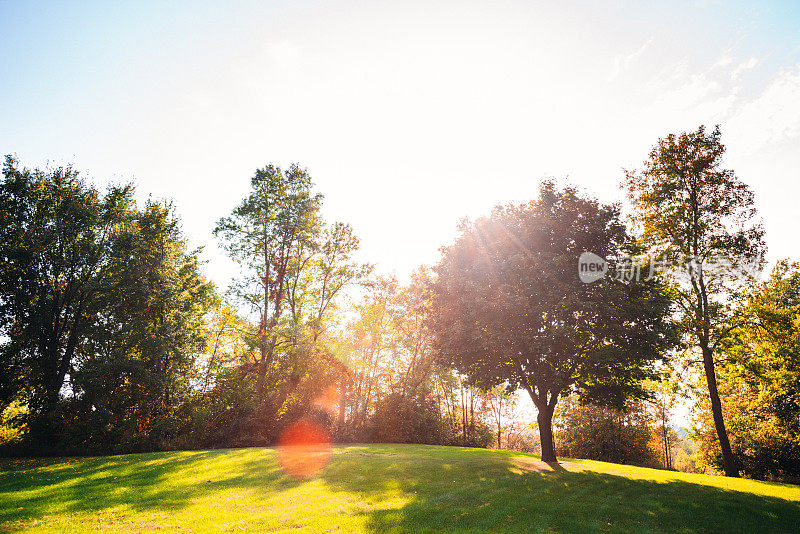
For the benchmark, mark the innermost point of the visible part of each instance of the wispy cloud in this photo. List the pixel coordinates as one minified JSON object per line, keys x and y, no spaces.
{"x":744,"y":66}
{"x":686,"y":96}
{"x":724,"y":60}
{"x":772,"y":117}
{"x":623,"y":62}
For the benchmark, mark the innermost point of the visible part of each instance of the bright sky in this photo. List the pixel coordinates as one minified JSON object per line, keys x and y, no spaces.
{"x":408,"y":116}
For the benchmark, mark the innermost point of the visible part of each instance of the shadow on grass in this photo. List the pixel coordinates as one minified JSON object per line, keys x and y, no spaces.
{"x":470,"y":490}
{"x":434,"y":489}
{"x":160,"y":482}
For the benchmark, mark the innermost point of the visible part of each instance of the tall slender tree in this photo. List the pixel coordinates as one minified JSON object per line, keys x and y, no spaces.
{"x":267,"y":234}
{"x":700,"y":218}
{"x":499,"y":403}
{"x":294,"y":267}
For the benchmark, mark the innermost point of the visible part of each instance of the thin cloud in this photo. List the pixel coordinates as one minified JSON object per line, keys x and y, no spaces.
{"x":773,"y":117}
{"x":743,"y":67}
{"x":623,"y":62}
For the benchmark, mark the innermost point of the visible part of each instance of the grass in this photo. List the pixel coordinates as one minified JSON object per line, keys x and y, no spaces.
{"x":404,"y":488}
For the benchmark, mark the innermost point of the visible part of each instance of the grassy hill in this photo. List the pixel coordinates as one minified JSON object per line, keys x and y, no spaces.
{"x":409,"y":488}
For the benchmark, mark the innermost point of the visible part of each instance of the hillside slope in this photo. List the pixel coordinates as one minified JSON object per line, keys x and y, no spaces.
{"x":409,"y":488}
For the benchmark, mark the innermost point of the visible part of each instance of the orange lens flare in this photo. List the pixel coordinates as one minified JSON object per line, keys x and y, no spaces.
{"x":304,"y":449}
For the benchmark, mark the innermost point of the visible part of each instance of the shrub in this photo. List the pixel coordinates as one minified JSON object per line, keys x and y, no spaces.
{"x":598,"y":433}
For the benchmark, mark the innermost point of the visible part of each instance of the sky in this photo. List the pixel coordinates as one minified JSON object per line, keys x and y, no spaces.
{"x":409,"y":116}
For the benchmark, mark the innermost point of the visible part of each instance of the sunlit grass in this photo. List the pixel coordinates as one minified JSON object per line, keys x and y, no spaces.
{"x":409,"y":488}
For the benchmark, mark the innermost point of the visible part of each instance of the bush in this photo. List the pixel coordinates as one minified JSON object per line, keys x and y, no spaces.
{"x":598,"y":433}
{"x":400,"y":419}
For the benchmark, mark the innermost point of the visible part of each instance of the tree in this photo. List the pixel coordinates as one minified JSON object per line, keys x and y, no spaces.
{"x":102,"y":306}
{"x":663,"y":399}
{"x":760,"y":378}
{"x":293,"y":269}
{"x":56,"y":234}
{"x":416,"y":366}
{"x":696,"y":215}
{"x":225,"y":348}
{"x":135,"y":368}
{"x":499,"y":403}
{"x":373,"y":344}
{"x":268,"y":234}
{"x":509,"y":306}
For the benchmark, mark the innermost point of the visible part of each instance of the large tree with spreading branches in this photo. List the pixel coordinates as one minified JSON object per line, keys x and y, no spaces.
{"x":509,"y":306}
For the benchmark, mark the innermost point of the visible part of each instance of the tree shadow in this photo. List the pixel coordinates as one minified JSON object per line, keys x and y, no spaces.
{"x":403,"y":488}
{"x":159,"y":482}
{"x":508,"y":494}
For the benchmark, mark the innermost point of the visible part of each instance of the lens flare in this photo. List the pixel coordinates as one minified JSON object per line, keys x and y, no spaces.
{"x":304,"y":449}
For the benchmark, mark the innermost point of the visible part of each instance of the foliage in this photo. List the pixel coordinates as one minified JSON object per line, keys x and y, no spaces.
{"x":760,"y":381}
{"x":112,"y":340}
{"x":293,"y":269}
{"x":132,"y":375}
{"x":103,"y":309}
{"x":685,"y":453}
{"x":270,"y":234}
{"x":56,"y":235}
{"x":12,"y":424}
{"x":601,"y":433}
{"x":499,"y":403}
{"x":391,"y":389}
{"x":694,"y":214}
{"x":416,"y":419}
{"x":509,"y":306}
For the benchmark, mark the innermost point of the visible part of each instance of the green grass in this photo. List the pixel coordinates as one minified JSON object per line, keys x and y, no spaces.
{"x":409,"y":488}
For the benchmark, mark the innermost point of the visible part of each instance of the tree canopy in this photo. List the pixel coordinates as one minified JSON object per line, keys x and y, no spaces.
{"x":509,"y":306}
{"x":699,"y":219}
{"x":97,"y":298}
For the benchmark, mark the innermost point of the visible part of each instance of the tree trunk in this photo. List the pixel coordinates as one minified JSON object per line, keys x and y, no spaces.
{"x":545,"y":420}
{"x":665,"y":432}
{"x":716,"y":409}
{"x":472,"y":414}
{"x":463,"y":417}
{"x":342,"y":405}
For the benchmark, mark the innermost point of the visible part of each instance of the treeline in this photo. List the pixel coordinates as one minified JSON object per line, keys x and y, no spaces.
{"x":113,"y":341}
{"x":102,"y":310}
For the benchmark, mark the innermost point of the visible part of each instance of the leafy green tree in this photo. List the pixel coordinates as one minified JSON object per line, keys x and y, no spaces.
{"x":294,"y":267}
{"x":698,"y":216}
{"x":102,"y":307}
{"x":760,"y":379}
{"x":509,"y":306}
{"x":135,"y":369}
{"x":56,"y":235}
{"x":269,"y":234}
